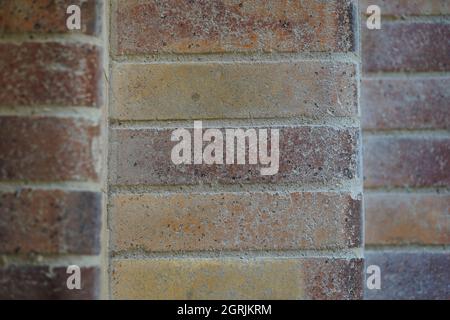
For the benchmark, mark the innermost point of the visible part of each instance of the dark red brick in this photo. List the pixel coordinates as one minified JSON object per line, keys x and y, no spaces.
{"x":50,"y":221}
{"x":391,"y":161}
{"x":48,"y":149}
{"x":49,"y":74}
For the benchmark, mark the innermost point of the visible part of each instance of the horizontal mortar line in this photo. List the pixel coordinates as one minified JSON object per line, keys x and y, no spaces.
{"x":410,"y":133}
{"x":443,"y":248}
{"x":352,"y":187}
{"x":236,"y":57}
{"x":404,"y":75}
{"x":12,"y":186}
{"x":408,"y":18}
{"x":237,"y":254}
{"x":53,"y":260}
{"x":343,"y":122}
{"x":65,"y":38}
{"x":83,"y":112}
{"x":409,"y":190}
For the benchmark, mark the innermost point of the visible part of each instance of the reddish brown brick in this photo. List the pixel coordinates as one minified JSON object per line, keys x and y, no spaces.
{"x":307,"y":155}
{"x":412,"y":103}
{"x":391,"y":161}
{"x":407,"y":219}
{"x":46,"y":282}
{"x":408,"y":7}
{"x":411,"y":275}
{"x":48,"y":149}
{"x":50,"y":222}
{"x":147,"y":27}
{"x":234,"y":90}
{"x":234,"y":221}
{"x":409,"y":47}
{"x":234,"y":278}
{"x":47,"y":16}
{"x":43,"y":74}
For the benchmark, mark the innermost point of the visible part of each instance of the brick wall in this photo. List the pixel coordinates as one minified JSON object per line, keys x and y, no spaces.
{"x":51,"y":99}
{"x":406,"y":121}
{"x":226,"y":231}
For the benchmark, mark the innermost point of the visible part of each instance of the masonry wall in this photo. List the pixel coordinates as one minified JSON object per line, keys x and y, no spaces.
{"x":226,"y":231}
{"x":51,"y":102}
{"x":406,"y":121}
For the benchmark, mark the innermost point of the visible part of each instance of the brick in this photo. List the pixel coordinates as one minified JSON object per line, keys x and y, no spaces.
{"x":177,"y":26}
{"x":234,"y":278}
{"x":412,"y":103}
{"x":391,"y":161}
{"x":234,"y":221}
{"x":46,"y":283}
{"x":48,"y":149}
{"x":401,"y":46}
{"x":307,"y":154}
{"x":408,"y":7}
{"x":49,"y":74}
{"x":47,"y":16}
{"x":407,"y":219}
{"x":49,"y":222}
{"x":411,"y":275}
{"x":233,"y":90}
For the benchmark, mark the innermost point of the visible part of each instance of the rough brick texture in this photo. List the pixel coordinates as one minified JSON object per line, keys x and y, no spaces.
{"x":177,"y":26}
{"x":229,"y":278}
{"x":47,"y":16}
{"x":49,"y":222}
{"x":407,"y":219}
{"x":46,"y":282}
{"x":411,"y":275}
{"x":409,"y":47}
{"x":48,"y":149}
{"x":322,"y":155}
{"x":402,"y":8}
{"x":56,"y":74}
{"x":411,"y":103}
{"x":406,"y":161}
{"x":247,"y":221}
{"x":233,"y":90}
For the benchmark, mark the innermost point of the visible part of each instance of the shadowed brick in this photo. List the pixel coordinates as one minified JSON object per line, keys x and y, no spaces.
{"x":407,"y":219}
{"x":43,"y":74}
{"x":408,"y":7}
{"x":411,"y":275}
{"x":45,"y":282}
{"x":47,"y":16}
{"x":406,"y":161}
{"x":237,"y":221}
{"x":50,"y":221}
{"x":48,"y":149}
{"x":233,"y":90}
{"x":412,"y":103}
{"x":307,"y":154}
{"x":409,"y":47}
{"x":234,"y":278}
{"x":147,"y":27}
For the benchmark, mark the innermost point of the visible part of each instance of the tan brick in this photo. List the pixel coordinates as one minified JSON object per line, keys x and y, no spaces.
{"x":48,"y":16}
{"x":408,"y":47}
{"x":407,"y":219}
{"x":236,"y":221}
{"x":234,"y":278}
{"x":408,"y":7}
{"x":147,"y":27}
{"x":412,"y":103}
{"x":50,"y":221}
{"x":49,"y":74}
{"x":48,"y":149}
{"x":233,"y":90}
{"x":321,"y":155}
{"x":391,"y":161}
